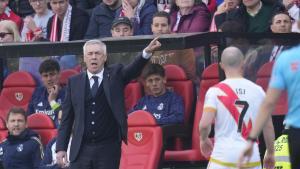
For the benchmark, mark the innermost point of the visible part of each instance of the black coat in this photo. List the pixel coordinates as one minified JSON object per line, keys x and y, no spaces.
{"x":115,"y":77}
{"x":78,"y":27}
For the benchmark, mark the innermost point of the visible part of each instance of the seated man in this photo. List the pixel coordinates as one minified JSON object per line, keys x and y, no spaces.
{"x":22,"y":148}
{"x":48,"y":98}
{"x":166,"y":106}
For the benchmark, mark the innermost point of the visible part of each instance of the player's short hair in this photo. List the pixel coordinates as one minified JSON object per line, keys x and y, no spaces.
{"x":16,"y":110}
{"x":49,"y":65}
{"x":153,"y":69}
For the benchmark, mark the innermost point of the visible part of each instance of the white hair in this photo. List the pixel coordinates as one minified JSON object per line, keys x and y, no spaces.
{"x":95,"y":42}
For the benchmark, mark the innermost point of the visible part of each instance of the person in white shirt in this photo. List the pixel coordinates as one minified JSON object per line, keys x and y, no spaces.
{"x":232,"y":105}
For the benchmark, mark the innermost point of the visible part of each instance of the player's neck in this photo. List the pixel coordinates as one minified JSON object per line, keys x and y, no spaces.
{"x":231,"y":75}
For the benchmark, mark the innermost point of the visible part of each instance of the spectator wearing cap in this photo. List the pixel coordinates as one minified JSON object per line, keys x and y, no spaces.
{"x":121,"y":27}
{"x":140,"y":12}
{"x":101,"y":19}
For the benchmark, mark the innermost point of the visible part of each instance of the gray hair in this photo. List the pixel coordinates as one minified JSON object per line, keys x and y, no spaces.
{"x":232,"y":57}
{"x":95,"y":42}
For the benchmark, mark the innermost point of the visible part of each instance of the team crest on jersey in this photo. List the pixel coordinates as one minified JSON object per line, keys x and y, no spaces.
{"x":1,"y":151}
{"x":20,"y":147}
{"x":160,"y":106}
{"x":138,"y":136}
{"x":19,"y":96}
{"x":157,"y":116}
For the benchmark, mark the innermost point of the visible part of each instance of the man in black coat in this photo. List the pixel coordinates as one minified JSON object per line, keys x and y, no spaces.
{"x":68,"y":22}
{"x":94,"y":110}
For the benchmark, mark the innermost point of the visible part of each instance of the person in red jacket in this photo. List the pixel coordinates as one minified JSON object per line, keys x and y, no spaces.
{"x":7,"y":14}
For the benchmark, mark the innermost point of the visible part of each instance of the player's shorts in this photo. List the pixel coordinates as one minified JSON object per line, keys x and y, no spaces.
{"x":217,"y":164}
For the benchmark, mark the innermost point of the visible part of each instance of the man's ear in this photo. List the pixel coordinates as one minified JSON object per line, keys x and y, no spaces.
{"x":272,"y":28}
{"x":221,"y":65}
{"x":165,"y":80}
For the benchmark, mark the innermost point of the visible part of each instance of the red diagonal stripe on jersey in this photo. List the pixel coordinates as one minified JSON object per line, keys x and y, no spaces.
{"x":229,"y":102}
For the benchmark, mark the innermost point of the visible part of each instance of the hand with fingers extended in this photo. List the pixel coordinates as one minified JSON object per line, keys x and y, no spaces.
{"x":246,"y":155}
{"x":153,"y":46}
{"x":127,"y":9}
{"x":61,"y":159}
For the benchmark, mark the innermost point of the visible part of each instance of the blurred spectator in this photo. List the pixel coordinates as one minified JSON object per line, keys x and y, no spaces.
{"x":161,"y":23}
{"x":184,"y":58}
{"x":21,"y":7}
{"x":293,"y":8}
{"x":68,"y":23}
{"x":86,"y":5}
{"x":222,"y":11}
{"x":254,"y":15}
{"x":9,"y":33}
{"x":281,"y":23}
{"x":164,"y":5}
{"x":188,"y":17}
{"x":166,"y":106}
{"x":101,"y":19}
{"x":47,"y":99}
{"x":7,"y":14}
{"x":22,"y":148}
{"x":140,"y":12}
{"x":35,"y":26}
{"x":121,"y":27}
{"x":35,"y":29}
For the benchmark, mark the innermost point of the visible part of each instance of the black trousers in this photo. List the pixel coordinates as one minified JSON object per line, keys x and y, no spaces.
{"x":98,"y":156}
{"x":294,"y":147}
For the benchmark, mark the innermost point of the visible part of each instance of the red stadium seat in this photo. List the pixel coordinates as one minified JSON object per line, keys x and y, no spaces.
{"x":43,"y":125}
{"x":145,"y":142}
{"x":263,"y":78}
{"x":17,"y":91}
{"x":180,"y":84}
{"x":132,"y":93}
{"x":3,"y":130}
{"x":65,"y":75}
{"x":178,"y":81}
{"x":210,"y":77}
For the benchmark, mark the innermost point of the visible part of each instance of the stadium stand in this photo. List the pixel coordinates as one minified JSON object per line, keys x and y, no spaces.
{"x":210,"y":77}
{"x":43,"y":125}
{"x":180,"y":84}
{"x":17,"y":91}
{"x":145,"y":142}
